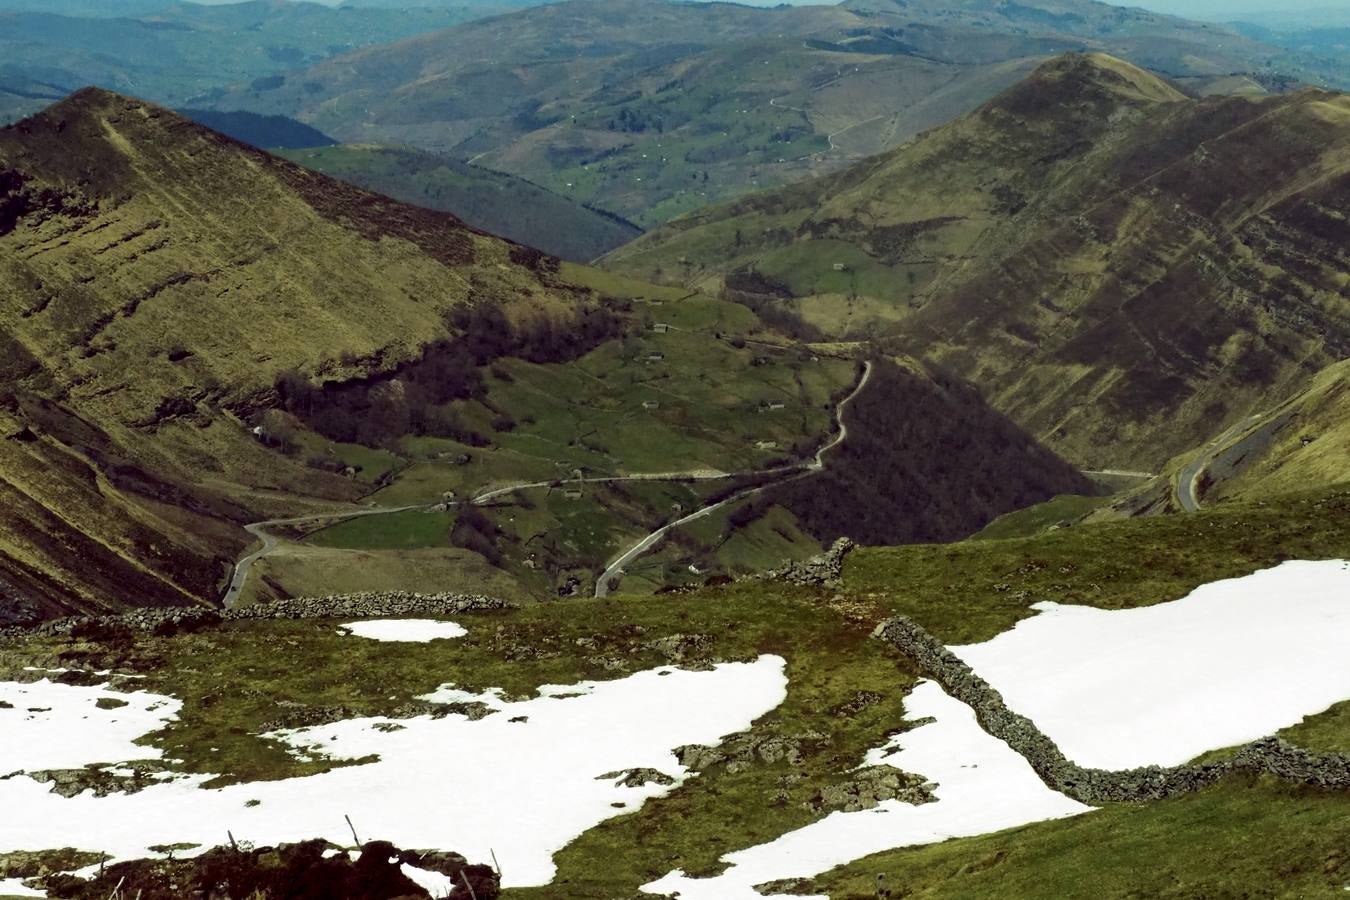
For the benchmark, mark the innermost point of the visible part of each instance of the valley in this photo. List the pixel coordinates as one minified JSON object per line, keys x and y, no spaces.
{"x":631,"y":448}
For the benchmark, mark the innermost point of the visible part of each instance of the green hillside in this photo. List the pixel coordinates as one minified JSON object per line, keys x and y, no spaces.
{"x":492,"y":201}
{"x":157,"y":278}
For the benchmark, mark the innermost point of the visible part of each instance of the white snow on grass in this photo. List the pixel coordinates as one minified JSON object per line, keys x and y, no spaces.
{"x":60,"y":726}
{"x":436,"y":884}
{"x":983,"y":785}
{"x":14,"y":887}
{"x":416,"y":631}
{"x":1232,"y":662}
{"x":522,"y":781}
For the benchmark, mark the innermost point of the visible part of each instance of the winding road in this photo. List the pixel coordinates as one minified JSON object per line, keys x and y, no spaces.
{"x":259,"y":530}
{"x":1188,"y":479}
{"x":616,"y":568}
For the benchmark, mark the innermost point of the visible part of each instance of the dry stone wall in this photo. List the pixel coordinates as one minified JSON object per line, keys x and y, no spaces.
{"x":1270,"y":756}
{"x":375,"y":604}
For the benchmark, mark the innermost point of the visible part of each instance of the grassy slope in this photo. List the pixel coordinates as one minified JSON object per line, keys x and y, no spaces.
{"x":1237,"y":838}
{"x":1046,"y":247}
{"x":157,"y":290}
{"x":1241,"y":838}
{"x":1321,"y":416}
{"x":495,"y":202}
{"x":1033,"y":520}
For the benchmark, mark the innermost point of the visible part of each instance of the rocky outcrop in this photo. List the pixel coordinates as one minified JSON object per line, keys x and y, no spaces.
{"x":742,"y":751}
{"x":160,"y":620}
{"x":637,"y":777}
{"x":310,"y":869}
{"x":825,"y":570}
{"x":1269,"y":756}
{"x":871,"y":786}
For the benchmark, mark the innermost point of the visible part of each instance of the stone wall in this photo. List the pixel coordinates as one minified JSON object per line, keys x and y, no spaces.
{"x":823,"y":570}
{"x":1094,"y":786}
{"x":376,"y":604}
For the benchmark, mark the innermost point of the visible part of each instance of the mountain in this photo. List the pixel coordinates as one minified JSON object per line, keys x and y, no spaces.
{"x":1122,"y":270}
{"x":653,"y":109}
{"x":156,"y":279}
{"x":493,"y":201}
{"x":174,"y":52}
{"x":199,"y":335}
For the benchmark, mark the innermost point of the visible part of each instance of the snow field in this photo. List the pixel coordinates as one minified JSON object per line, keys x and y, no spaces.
{"x":1232,"y":662}
{"x":523,"y":781}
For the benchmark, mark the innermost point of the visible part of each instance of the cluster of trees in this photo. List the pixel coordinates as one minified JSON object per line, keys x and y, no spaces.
{"x":925,"y":461}
{"x":412,"y":400}
{"x":635,"y":121}
{"x":475,"y":531}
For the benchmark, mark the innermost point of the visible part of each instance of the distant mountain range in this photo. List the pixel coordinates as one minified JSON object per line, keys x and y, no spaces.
{"x":174,"y":52}
{"x":502,"y":204}
{"x":652,"y":109}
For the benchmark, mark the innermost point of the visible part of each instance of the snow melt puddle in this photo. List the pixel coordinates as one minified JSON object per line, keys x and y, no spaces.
{"x":523,"y":781}
{"x":1232,"y":662}
{"x":416,"y":631}
{"x":983,"y":785}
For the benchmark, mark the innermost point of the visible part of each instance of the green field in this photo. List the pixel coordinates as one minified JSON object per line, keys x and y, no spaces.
{"x":1029,"y":522}
{"x":411,"y":530}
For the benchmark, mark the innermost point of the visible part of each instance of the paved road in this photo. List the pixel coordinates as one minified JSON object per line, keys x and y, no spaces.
{"x":1188,"y":479}
{"x":815,"y":464}
{"x":261,"y":531}
{"x":269,"y":541}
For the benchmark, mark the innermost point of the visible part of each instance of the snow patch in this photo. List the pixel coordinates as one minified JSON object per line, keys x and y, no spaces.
{"x":48,"y":725}
{"x":415,"y":631}
{"x":14,"y":887}
{"x":1232,"y":662}
{"x":525,"y":788}
{"x":434,"y":883}
{"x":983,"y":785}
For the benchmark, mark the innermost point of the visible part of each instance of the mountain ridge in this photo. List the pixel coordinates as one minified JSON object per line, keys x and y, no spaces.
{"x":157,"y":277}
{"x":1029,"y":256}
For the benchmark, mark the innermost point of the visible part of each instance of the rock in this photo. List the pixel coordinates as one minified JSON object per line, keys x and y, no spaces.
{"x":825,"y":570}
{"x":676,"y":648}
{"x":872,"y":786}
{"x":171,"y":620}
{"x":637,"y":777}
